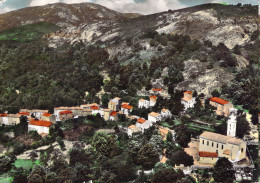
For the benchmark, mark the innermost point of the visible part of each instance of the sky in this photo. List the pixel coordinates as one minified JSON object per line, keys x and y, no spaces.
{"x":124,"y":6}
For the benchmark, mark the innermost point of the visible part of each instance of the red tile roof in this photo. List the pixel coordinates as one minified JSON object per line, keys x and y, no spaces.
{"x":157,"y":89}
{"x":40,"y":123}
{"x":154,"y":97}
{"x":127,"y":106}
{"x":189,"y":92}
{"x":141,"y":120}
{"x":94,"y":107}
{"x":113,"y":113}
{"x":3,"y":114}
{"x":46,"y":114}
{"x":65,"y":112}
{"x":208,"y":154}
{"x":24,"y":113}
{"x":219,"y":100}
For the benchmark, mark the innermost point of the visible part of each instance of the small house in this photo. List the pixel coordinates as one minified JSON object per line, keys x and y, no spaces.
{"x":126,"y":108}
{"x":114,"y":104}
{"x":223,"y":106}
{"x":153,"y":100}
{"x":188,"y":101}
{"x":42,"y":127}
{"x":143,"y":124}
{"x":143,"y":103}
{"x":153,"y":117}
{"x":166,"y":113}
{"x":66,"y":115}
{"x":113,"y":116}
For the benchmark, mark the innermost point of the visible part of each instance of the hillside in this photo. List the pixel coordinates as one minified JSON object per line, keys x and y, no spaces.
{"x":52,"y":55}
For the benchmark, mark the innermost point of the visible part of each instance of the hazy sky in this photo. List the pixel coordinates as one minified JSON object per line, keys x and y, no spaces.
{"x":125,"y":6}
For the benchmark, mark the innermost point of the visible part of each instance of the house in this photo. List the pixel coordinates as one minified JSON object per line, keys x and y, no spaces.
{"x":107,"y":114}
{"x":113,"y":116}
{"x":77,"y":111}
{"x":57,"y":111}
{"x":143,"y":103}
{"x":10,"y":119}
{"x":223,"y":106}
{"x":153,"y":117}
{"x":114,"y":104}
{"x":2,"y":115}
{"x":166,"y":113}
{"x":37,"y":113}
{"x":132,"y":129}
{"x":27,"y":114}
{"x":48,"y":117}
{"x":153,"y":100}
{"x":188,"y":101}
{"x":42,"y":127}
{"x":126,"y":108}
{"x":95,"y":110}
{"x":213,"y":145}
{"x":65,"y":115}
{"x":86,"y":112}
{"x":143,"y":124}
{"x":88,"y":106}
{"x":157,"y":90}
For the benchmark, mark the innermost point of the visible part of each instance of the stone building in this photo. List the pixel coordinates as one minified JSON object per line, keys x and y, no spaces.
{"x":213,"y":145}
{"x":114,"y":104}
{"x":222,"y":106}
{"x":188,"y":101}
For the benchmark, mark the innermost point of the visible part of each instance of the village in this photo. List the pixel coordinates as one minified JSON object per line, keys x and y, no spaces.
{"x":205,"y":149}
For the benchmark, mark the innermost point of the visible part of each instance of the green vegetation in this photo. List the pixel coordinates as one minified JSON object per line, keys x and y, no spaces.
{"x":29,"y":32}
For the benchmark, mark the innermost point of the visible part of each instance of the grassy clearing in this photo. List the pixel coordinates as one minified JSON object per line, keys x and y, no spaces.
{"x":28,"y":32}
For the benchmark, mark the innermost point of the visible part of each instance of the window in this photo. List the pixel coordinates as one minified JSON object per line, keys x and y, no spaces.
{"x":216,"y":151}
{"x":202,"y":141}
{"x":212,"y":144}
{"x":207,"y":143}
{"x":222,"y":147}
{"x":217,"y":145}
{"x":242,"y":150}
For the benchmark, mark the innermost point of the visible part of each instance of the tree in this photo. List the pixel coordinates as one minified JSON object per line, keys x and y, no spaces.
{"x":5,"y":164}
{"x":243,"y":127}
{"x":166,"y":174}
{"x":147,"y":156}
{"x":180,"y":157}
{"x":105,"y":144}
{"x":37,"y":175}
{"x":237,"y":50}
{"x":51,"y":177}
{"x":81,"y":173}
{"x":223,"y":171}
{"x":182,"y":135}
{"x":169,"y":137}
{"x":215,"y":93}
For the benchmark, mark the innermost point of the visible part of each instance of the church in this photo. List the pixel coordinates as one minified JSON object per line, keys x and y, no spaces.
{"x":213,"y":146}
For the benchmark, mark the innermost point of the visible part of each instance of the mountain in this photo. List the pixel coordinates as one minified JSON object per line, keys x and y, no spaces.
{"x":198,"y":48}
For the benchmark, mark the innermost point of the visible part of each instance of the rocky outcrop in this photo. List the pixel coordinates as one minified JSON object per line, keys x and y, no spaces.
{"x":198,"y":77}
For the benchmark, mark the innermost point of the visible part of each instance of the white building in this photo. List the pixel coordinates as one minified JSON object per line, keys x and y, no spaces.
{"x":39,"y":126}
{"x":153,"y":117}
{"x":143,"y":124}
{"x":232,"y":123}
{"x":126,"y":109}
{"x":132,"y":129}
{"x":166,"y":113}
{"x":153,"y":100}
{"x":143,"y":103}
{"x":188,"y":101}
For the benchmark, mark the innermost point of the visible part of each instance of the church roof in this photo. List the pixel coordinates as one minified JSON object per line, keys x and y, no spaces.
{"x":220,"y":138}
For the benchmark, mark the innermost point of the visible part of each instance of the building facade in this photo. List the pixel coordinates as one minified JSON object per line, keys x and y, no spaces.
{"x":153,"y":117}
{"x":42,"y":127}
{"x":114,"y":104}
{"x":188,"y":101}
{"x":142,"y":103}
{"x":225,"y":146}
{"x":223,"y":106}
